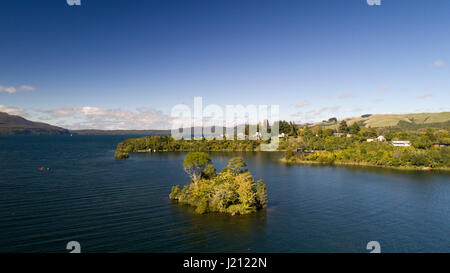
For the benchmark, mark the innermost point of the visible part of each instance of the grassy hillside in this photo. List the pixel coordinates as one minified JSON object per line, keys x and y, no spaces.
{"x":401,"y":121}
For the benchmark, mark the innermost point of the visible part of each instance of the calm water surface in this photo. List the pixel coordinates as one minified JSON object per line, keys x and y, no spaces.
{"x":113,"y":205}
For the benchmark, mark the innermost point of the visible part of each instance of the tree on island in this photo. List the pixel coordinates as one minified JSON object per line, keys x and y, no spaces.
{"x":195,"y":163}
{"x":236,"y":165}
{"x":209,"y":172}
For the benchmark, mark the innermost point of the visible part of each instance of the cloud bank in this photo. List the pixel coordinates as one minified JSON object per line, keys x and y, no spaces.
{"x":12,"y":110}
{"x":89,"y":117}
{"x":12,"y":89}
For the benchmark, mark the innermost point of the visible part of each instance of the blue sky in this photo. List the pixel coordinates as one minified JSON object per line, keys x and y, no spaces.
{"x":125,"y":64}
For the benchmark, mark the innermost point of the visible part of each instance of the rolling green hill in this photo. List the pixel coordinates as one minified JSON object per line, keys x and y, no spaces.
{"x":401,"y":121}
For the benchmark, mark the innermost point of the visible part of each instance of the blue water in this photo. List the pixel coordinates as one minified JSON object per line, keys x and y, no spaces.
{"x":110,"y":205}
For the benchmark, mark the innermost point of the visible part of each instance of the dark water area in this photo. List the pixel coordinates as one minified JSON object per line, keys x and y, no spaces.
{"x":113,"y":205}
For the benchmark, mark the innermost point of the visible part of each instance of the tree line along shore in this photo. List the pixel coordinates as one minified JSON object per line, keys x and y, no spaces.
{"x":169,"y":144}
{"x":426,"y":148}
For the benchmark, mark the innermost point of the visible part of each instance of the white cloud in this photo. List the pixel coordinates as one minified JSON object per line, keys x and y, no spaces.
{"x":345,"y":95}
{"x":26,"y":88}
{"x":384,"y":88}
{"x":424,"y":96}
{"x":8,"y":89}
{"x":12,"y":110}
{"x":89,"y":117}
{"x":302,"y":104}
{"x":61,"y":112}
{"x":316,"y":114}
{"x":438,"y":63}
{"x":12,"y":89}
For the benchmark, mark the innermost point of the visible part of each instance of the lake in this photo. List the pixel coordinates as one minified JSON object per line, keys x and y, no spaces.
{"x":110,"y":205}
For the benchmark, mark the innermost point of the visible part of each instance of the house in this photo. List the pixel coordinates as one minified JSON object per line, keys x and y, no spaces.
{"x":381,"y":138}
{"x":438,"y":145}
{"x":349,"y":135}
{"x":281,"y":135}
{"x":370,"y":140}
{"x":257,"y":136}
{"x":301,"y":151}
{"x":401,"y":143}
{"x":338,"y":134}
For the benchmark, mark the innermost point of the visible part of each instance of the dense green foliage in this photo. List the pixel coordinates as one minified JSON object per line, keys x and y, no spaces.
{"x":169,"y":144}
{"x":321,"y":146}
{"x":232,"y":191}
{"x":287,"y":128}
{"x":343,"y":128}
{"x":195,"y":164}
{"x":428,"y":146}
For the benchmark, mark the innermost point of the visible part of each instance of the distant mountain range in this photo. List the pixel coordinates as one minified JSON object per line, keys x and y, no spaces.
{"x":16,"y":125}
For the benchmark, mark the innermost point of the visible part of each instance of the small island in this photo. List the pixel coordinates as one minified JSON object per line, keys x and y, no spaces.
{"x":232,"y":190}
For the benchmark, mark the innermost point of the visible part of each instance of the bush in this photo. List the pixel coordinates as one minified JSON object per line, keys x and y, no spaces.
{"x":261,"y":194}
{"x":120,"y":155}
{"x":175,"y":193}
{"x":289,"y":154}
{"x":209,"y":172}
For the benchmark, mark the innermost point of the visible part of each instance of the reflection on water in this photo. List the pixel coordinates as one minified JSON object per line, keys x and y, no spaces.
{"x":232,"y":230}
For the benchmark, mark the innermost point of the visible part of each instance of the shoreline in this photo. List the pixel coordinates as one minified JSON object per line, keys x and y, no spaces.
{"x":361,"y":164}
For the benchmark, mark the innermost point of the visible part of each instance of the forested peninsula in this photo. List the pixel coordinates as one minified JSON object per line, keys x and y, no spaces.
{"x":169,"y":144}
{"x":341,"y":144}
